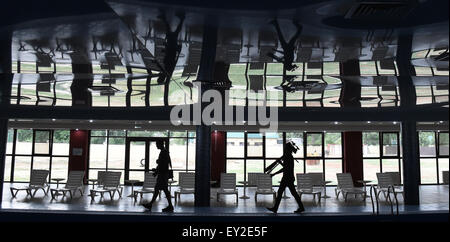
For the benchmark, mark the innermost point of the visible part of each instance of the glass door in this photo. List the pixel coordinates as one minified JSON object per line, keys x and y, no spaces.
{"x":140,"y":157}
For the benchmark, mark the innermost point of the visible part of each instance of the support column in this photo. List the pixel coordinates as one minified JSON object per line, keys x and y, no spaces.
{"x":83,"y":79}
{"x":78,"y":153}
{"x":5,"y":93}
{"x":203,"y":132}
{"x":351,"y":88}
{"x":217,"y":154}
{"x":353,"y":156}
{"x":410,"y":140}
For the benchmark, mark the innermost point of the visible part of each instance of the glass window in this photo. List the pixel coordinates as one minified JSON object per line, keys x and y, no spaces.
{"x":116,"y":153}
{"x":333,"y":145}
{"x":390,"y":165}
{"x":235,"y":144}
{"x":443,"y":144}
{"x":297,"y":138}
{"x":254,"y":145}
{"x":427,"y":144}
{"x":60,"y":167}
{"x":61,"y":139}
{"x":7,"y":174}
{"x":98,"y":133}
{"x":41,"y":142}
{"x":314,"y":144}
{"x":370,"y":169}
{"x":255,"y":166}
{"x":22,"y":168}
{"x":371,"y":146}
{"x":236,"y":166}
{"x":41,"y":163}
{"x":428,"y":171}
{"x":274,"y":145}
{"x":178,"y":153}
{"x":443,"y":166}
{"x":117,"y":133}
{"x":97,"y":154}
{"x":332,"y":167}
{"x":314,"y":165}
{"x":191,"y":154}
{"x":9,"y":144}
{"x":24,"y":141}
{"x":390,"y":145}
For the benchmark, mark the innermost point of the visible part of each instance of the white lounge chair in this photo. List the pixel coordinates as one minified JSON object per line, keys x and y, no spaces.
{"x":395,"y":178}
{"x":386,"y":182}
{"x":187,"y":184}
{"x":228,"y":185}
{"x":346,"y":186}
{"x":74,"y":184}
{"x":147,"y":187}
{"x":253,"y":179}
{"x":305,"y":186}
{"x":38,"y":180}
{"x":317,"y":179}
{"x":264,"y":186}
{"x":111,"y":185}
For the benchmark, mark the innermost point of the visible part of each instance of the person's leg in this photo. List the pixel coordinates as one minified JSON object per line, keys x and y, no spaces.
{"x":149,"y":205}
{"x":278,"y":198}
{"x":169,"y":200}
{"x":296,"y":196}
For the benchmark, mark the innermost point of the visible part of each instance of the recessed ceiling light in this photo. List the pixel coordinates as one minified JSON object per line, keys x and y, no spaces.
{"x":336,"y":122}
{"x":306,"y":122}
{"x":90,"y":121}
{"x":53,"y":119}
{"x":369,"y":122}
{"x":394,"y":122}
{"x":149,"y":122}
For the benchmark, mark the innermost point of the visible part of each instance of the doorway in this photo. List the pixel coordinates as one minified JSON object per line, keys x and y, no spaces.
{"x":141,"y":154}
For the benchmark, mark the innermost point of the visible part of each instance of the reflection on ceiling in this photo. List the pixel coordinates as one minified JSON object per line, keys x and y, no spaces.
{"x":143,"y":55}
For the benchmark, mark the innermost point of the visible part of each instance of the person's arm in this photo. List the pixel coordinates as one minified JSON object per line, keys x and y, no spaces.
{"x":278,"y":172}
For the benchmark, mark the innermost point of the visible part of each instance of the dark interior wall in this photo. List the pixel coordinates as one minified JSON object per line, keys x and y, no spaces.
{"x":217,"y":154}
{"x":79,"y":142}
{"x":353,"y":155}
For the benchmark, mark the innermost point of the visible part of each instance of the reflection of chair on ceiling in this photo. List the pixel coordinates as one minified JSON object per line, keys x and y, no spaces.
{"x":193,"y":60}
{"x":379,"y":53}
{"x":388,"y":64}
{"x":230,"y":36}
{"x":304,"y":54}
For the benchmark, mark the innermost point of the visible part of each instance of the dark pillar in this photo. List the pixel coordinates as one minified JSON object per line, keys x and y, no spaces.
{"x":5,"y":93}
{"x":351,"y":87}
{"x":217,"y":154}
{"x":82,"y":80}
{"x":410,"y":140}
{"x":203,"y":134}
{"x":78,"y":153}
{"x":353,"y":155}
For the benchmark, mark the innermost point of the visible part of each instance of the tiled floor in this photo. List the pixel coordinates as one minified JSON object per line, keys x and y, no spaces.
{"x":433,"y":198}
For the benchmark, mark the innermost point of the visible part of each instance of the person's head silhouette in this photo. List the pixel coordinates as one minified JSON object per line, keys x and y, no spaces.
{"x":160,"y":144}
{"x":290,"y":147}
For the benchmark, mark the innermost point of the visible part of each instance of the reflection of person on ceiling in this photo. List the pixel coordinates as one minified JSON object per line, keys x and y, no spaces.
{"x":288,"y":47}
{"x":172,"y":49}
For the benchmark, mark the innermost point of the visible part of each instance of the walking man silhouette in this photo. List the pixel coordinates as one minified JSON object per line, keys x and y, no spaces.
{"x":287,"y":161}
{"x":162,"y":179}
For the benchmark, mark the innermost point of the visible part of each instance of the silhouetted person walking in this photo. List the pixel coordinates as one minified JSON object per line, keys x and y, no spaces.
{"x":162,"y":180}
{"x":288,"y":47}
{"x":287,"y":161}
{"x":172,"y":48}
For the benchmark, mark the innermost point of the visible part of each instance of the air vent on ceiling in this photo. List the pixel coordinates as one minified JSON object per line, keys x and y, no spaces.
{"x":379,"y":10}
